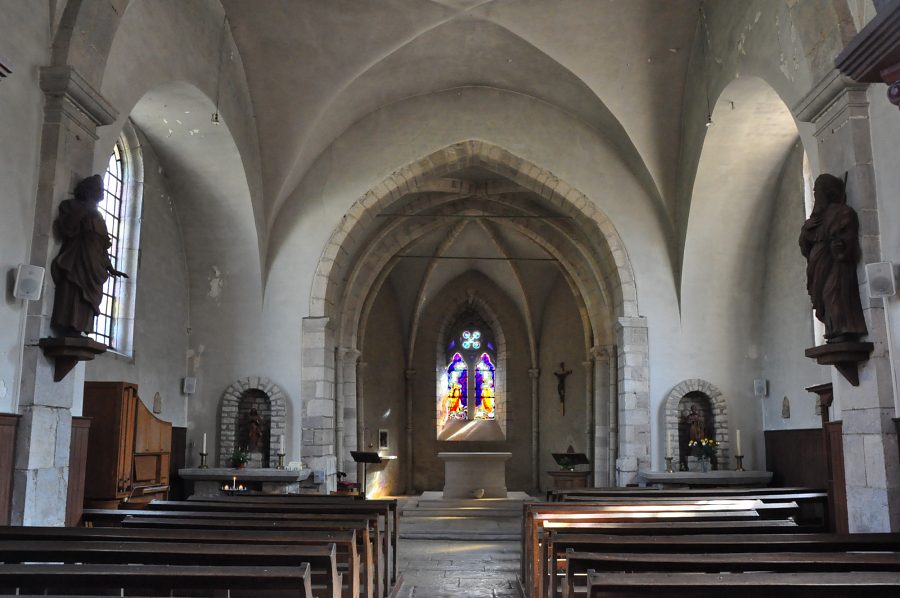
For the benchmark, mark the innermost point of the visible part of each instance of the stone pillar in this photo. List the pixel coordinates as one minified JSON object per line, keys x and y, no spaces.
{"x":360,"y":415}
{"x":535,"y":374}
{"x":601,"y":422}
{"x":339,"y":354}
{"x":349,"y":434}
{"x":839,"y":111}
{"x":73,"y":110}
{"x":634,"y":399}
{"x":317,"y":394}
{"x":588,"y":366}
{"x":410,"y":390}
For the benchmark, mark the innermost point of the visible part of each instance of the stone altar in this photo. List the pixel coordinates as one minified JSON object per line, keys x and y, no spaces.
{"x":466,"y":472}
{"x":209,"y":482}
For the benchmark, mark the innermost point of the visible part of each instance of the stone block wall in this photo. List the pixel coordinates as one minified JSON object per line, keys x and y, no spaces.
{"x":236,"y":402}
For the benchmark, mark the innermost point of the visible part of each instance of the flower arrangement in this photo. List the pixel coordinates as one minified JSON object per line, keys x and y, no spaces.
{"x":705,"y":448}
{"x":240,"y":457}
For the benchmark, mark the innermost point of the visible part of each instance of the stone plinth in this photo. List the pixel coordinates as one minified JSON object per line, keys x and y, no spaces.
{"x":209,"y":482}
{"x":466,"y":472}
{"x":710,"y":478}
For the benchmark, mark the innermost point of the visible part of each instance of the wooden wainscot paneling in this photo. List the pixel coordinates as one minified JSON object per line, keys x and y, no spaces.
{"x":8,"y":422}
{"x":796,"y":458}
{"x":78,"y":450}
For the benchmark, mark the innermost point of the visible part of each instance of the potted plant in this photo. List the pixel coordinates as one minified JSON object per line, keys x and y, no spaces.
{"x":705,"y":450}
{"x":240,"y":457}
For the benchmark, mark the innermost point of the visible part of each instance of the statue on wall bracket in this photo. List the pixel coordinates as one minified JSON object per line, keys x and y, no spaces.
{"x":79,"y":271}
{"x":829,"y":240}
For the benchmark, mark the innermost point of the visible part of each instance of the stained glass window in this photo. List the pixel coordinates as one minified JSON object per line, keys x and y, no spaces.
{"x":484,"y":388}
{"x":457,"y":395}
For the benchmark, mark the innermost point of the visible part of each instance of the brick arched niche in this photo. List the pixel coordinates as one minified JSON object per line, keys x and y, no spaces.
{"x":229,"y":414}
{"x":719,"y":408}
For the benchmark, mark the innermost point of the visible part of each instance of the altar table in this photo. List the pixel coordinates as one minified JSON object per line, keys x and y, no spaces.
{"x":464,"y":473}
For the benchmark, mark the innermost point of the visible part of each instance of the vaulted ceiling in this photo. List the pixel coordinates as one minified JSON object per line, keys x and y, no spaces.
{"x":314,"y":68}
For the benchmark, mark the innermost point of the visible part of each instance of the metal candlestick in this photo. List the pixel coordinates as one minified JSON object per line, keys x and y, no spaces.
{"x":280,"y":461}
{"x":203,"y":464}
{"x":669,"y":468}
{"x":740,"y":462}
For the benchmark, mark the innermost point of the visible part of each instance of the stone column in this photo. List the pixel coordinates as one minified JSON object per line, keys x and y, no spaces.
{"x":317,"y":393}
{"x":350,"y":419}
{"x":535,"y":374}
{"x":410,"y":390}
{"x":339,"y":354}
{"x":588,"y":366}
{"x":839,"y":111}
{"x":73,"y":110}
{"x":634,"y":399}
{"x":360,"y":416}
{"x":601,"y":426}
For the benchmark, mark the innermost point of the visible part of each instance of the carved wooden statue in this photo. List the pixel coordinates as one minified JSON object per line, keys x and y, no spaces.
{"x":254,"y":430}
{"x":829,"y":240}
{"x":696,"y":424}
{"x":82,"y":265}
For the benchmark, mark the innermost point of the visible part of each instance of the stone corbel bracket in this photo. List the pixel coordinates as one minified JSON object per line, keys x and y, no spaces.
{"x":873,"y":56}
{"x":5,"y":68}
{"x":67,"y":351}
{"x":846,"y":357}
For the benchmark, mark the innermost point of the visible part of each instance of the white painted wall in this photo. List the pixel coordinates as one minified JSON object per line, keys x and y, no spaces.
{"x":25,"y":46}
{"x":162,"y":304}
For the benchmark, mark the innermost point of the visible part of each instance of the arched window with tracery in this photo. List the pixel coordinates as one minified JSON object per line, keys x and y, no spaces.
{"x":468,"y":387}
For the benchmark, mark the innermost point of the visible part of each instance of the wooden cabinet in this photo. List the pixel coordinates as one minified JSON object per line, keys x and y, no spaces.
{"x":81,"y":427}
{"x":8,"y":422}
{"x":129,"y":449}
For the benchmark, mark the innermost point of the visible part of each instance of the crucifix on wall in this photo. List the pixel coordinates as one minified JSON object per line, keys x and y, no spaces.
{"x":561,"y":376}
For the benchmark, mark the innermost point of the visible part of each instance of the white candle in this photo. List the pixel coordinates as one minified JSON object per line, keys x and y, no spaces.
{"x":739,"y":443}
{"x":281,"y":444}
{"x":204,"y":443}
{"x":668,"y":444}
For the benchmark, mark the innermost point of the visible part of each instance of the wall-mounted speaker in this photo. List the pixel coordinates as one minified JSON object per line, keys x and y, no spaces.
{"x":761,"y":387}
{"x":29,"y":282}
{"x":880,"y":277}
{"x":189,"y":386}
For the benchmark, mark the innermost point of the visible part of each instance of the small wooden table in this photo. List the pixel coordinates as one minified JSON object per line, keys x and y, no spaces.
{"x":564,"y":479}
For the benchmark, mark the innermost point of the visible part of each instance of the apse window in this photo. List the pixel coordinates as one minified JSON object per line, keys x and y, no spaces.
{"x":113,"y":326}
{"x":468,"y":385}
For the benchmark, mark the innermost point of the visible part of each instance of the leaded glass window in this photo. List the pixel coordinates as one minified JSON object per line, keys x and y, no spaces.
{"x":112,"y":207}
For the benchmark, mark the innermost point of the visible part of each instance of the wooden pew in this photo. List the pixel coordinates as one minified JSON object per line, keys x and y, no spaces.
{"x":585,"y":563}
{"x":578,"y":550}
{"x":347,"y":556}
{"x":812,"y":512}
{"x":391,"y":503}
{"x":538,"y":517}
{"x":368,"y":546}
{"x":755,"y":584}
{"x":321,"y":558}
{"x":631,"y":492}
{"x":385,"y":509}
{"x":160,"y":579}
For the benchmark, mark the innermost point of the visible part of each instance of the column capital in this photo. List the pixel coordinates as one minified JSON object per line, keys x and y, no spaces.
{"x":64,"y":86}
{"x":410,"y":374}
{"x":534,"y":373}
{"x":588,"y":364}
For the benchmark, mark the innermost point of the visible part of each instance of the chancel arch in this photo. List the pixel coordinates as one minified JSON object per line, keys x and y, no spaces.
{"x":475,"y":195}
